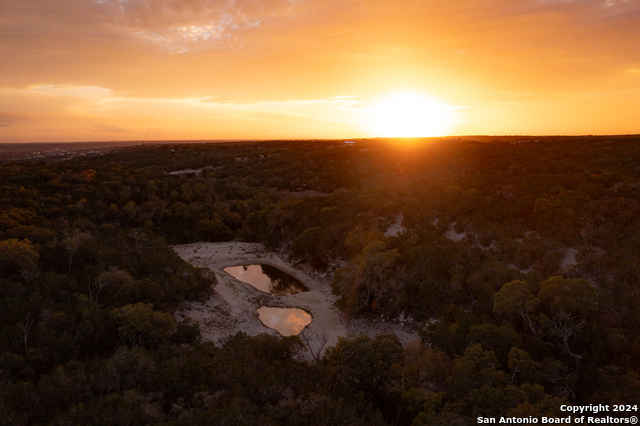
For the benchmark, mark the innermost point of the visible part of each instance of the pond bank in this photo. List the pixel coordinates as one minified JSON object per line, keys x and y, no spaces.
{"x":233,"y":305}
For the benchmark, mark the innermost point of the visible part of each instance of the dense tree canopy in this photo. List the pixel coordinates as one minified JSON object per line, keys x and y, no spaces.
{"x":518,"y":260}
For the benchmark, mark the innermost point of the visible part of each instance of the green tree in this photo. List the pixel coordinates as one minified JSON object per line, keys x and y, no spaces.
{"x":18,"y":257}
{"x":424,"y":367}
{"x":308,"y":246}
{"x":72,"y":243}
{"x":515,"y":297}
{"x":140,"y":325}
{"x":370,"y":281}
{"x":568,"y":306}
{"x":523,"y":367}
{"x":474,"y":370}
{"x":363,"y":364}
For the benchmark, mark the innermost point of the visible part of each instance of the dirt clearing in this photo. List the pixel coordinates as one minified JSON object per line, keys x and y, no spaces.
{"x":233,"y":305}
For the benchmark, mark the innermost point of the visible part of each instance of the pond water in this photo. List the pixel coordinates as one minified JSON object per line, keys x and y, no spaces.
{"x":286,"y":321}
{"x":267,"y":278}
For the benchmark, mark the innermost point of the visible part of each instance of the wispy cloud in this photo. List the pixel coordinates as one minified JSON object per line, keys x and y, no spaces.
{"x":342,"y":97}
{"x":305,"y":61}
{"x":7,"y":119}
{"x":109,"y":128}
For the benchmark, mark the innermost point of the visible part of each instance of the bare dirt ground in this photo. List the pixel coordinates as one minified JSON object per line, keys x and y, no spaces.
{"x":569,"y":259}
{"x":453,"y":235}
{"x":396,"y":227}
{"x":233,"y":305}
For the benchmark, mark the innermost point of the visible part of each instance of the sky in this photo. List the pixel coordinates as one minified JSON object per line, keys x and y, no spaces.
{"x":94,"y":70}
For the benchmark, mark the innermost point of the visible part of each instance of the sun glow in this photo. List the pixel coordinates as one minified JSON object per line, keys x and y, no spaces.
{"x":410,"y":114}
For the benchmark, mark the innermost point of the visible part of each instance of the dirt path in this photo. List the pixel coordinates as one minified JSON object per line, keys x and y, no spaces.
{"x":396,"y":227}
{"x":569,"y":259}
{"x":233,"y":305}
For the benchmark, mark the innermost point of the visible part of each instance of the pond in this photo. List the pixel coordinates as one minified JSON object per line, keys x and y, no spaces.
{"x":286,"y":321}
{"x":267,"y":278}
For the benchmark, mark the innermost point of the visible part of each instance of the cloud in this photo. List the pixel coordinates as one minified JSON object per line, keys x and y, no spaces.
{"x":89,"y":59}
{"x":109,"y":128}
{"x":147,"y":47}
{"x":176,"y":26}
{"x":102,"y":43}
{"x":7,"y":119}
{"x":71,"y":91}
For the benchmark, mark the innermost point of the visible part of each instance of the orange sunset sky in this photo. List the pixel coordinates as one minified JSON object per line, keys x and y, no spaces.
{"x":80,"y":70}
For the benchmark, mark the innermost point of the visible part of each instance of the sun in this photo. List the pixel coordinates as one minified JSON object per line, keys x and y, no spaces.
{"x":410,"y":114}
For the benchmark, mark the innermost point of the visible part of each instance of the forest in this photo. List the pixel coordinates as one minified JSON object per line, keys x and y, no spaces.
{"x":510,"y":324}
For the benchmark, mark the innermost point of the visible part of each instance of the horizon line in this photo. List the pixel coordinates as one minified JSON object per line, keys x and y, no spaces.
{"x":186,"y":141}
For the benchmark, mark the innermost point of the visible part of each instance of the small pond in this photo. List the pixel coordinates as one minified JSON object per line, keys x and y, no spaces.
{"x":267,"y":278}
{"x":286,"y":321}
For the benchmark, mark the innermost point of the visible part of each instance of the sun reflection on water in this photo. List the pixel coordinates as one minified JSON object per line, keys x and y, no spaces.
{"x":286,"y":321}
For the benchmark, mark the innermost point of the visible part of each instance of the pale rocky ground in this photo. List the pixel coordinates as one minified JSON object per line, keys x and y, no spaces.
{"x":395,"y":228}
{"x":453,"y":235}
{"x":183,"y":171}
{"x":569,"y":259}
{"x":233,"y":305}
